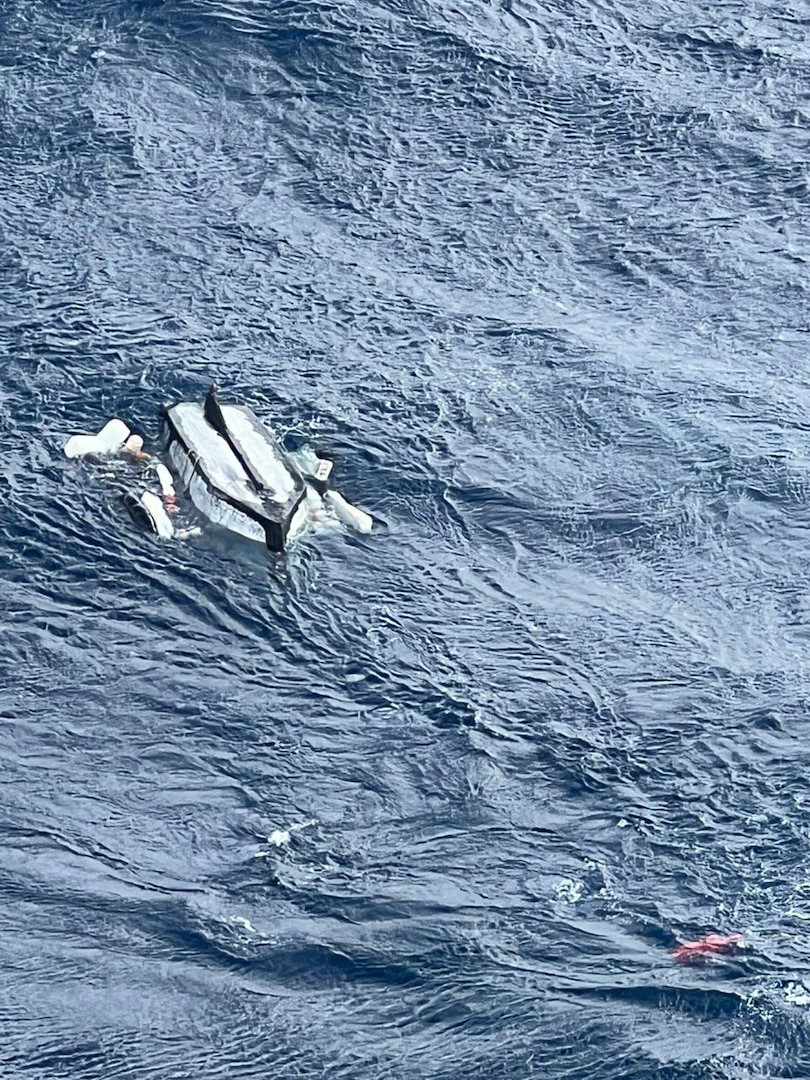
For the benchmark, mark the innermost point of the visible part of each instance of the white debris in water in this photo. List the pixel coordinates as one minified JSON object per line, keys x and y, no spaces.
{"x":303,"y":825}
{"x":240,"y":921}
{"x":281,"y":837}
{"x":797,"y":994}
{"x":623,"y":823}
{"x":569,"y":890}
{"x":187,"y":534}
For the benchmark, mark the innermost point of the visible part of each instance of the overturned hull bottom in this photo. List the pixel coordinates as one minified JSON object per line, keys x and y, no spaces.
{"x":234,"y":471}
{"x":230,"y":517}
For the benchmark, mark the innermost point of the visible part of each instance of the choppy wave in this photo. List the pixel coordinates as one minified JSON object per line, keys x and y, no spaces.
{"x":439,"y":801}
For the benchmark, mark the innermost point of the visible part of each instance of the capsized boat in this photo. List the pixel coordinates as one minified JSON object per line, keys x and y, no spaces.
{"x":235,"y":471}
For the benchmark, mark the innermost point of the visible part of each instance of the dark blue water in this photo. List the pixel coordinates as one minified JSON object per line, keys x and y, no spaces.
{"x":437,"y":802}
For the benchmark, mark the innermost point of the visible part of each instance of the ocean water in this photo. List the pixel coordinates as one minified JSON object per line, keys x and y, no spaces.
{"x":438,"y":802}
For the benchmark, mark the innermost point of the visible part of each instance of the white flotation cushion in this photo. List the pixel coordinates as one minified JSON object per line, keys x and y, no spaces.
{"x":157,"y":512}
{"x":165,"y":481}
{"x":111,"y":438}
{"x":350,"y":515}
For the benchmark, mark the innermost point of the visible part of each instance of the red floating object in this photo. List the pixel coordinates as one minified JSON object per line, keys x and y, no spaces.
{"x":711,"y":945}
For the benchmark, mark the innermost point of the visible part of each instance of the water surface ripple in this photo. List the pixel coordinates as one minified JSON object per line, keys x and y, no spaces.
{"x":436,"y":802}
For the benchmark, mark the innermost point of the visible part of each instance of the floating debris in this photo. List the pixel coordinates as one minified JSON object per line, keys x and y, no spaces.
{"x":710,"y":945}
